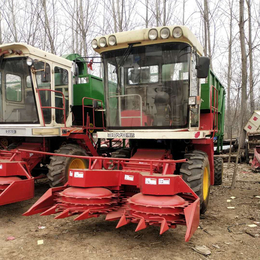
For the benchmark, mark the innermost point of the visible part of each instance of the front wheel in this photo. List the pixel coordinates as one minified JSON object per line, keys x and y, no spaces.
{"x":59,"y":166}
{"x":196,"y":173}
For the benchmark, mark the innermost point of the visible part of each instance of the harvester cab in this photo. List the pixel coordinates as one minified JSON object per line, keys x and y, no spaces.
{"x":162,"y":173}
{"x":44,"y":107}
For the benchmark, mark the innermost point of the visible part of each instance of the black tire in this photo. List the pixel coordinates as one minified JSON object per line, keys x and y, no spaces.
{"x":193,"y":173}
{"x":59,"y":166}
{"x":218,"y":171}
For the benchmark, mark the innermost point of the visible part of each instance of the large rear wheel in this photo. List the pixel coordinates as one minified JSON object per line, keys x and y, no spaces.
{"x":196,"y":173}
{"x":59,"y":166}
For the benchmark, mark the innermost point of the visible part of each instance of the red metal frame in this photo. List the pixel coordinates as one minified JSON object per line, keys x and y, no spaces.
{"x":153,"y":177}
{"x":16,"y":182}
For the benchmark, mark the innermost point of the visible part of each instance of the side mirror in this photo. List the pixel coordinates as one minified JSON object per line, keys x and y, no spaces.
{"x":202,"y":67}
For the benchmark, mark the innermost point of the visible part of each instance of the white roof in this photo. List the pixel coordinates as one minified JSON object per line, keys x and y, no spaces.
{"x":124,"y":38}
{"x":37,"y":53}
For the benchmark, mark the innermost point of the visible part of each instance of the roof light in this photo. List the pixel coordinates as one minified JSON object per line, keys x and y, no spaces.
{"x":165,"y":33}
{"x":102,"y":42}
{"x":153,"y":34}
{"x":94,"y":44}
{"x":29,"y":61}
{"x":177,"y":32}
{"x":112,"y":40}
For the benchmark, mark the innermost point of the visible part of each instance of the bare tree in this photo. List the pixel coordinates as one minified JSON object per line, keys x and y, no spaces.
{"x":10,"y":19}
{"x":206,"y":30}
{"x":122,"y":13}
{"x":251,"y":68}
{"x":146,"y":13}
{"x":242,"y":38}
{"x":229,"y":73}
{"x":50,"y":36}
{"x":82,"y":17}
{"x":1,"y":37}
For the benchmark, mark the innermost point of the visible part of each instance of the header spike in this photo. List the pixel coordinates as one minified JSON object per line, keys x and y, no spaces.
{"x":123,"y":221}
{"x":83,"y":215}
{"x":164,"y":226}
{"x":64,"y":214}
{"x":141,"y":225}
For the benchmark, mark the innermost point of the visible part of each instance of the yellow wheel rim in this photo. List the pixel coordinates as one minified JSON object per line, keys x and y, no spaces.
{"x":205,"y":183}
{"x":77,"y":164}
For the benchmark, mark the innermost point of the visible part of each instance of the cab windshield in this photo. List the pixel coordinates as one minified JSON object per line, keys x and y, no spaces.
{"x":17,"y":101}
{"x":147,"y":86}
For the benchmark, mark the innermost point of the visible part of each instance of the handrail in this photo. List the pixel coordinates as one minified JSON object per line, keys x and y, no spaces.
{"x":98,"y":160}
{"x":93,"y":111}
{"x":51,"y":107}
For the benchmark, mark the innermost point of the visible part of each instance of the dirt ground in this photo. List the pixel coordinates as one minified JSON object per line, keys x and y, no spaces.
{"x":224,"y":231}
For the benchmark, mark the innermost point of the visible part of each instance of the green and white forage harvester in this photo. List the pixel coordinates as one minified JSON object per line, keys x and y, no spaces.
{"x":167,"y":118}
{"x":45,"y":103}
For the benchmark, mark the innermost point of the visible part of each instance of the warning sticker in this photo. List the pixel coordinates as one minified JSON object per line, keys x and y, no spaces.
{"x":71,"y":173}
{"x":1,"y":166}
{"x":150,"y":181}
{"x":129,"y":177}
{"x":164,"y":181}
{"x":78,"y":174}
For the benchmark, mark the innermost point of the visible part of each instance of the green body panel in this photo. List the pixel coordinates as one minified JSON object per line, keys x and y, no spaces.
{"x":92,"y":88}
{"x":212,"y":80}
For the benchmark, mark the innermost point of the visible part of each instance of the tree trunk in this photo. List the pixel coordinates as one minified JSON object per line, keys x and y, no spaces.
{"x":207,"y":32}
{"x":158,"y":15}
{"x":146,"y":14}
{"x":251,"y":65}
{"x":13,"y":21}
{"x":229,"y":74}
{"x":164,"y":12}
{"x":244,"y":71}
{"x":183,"y":12}
{"x":205,"y":28}
{"x":114,"y":16}
{"x":47,"y":27}
{"x":243,"y":87}
{"x":1,"y":39}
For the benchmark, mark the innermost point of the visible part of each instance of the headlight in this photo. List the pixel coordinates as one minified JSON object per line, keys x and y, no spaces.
{"x":94,"y":44}
{"x":165,"y":33}
{"x":112,"y":40}
{"x":153,"y":34}
{"x":102,"y":42}
{"x":177,"y":32}
{"x":29,"y":61}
